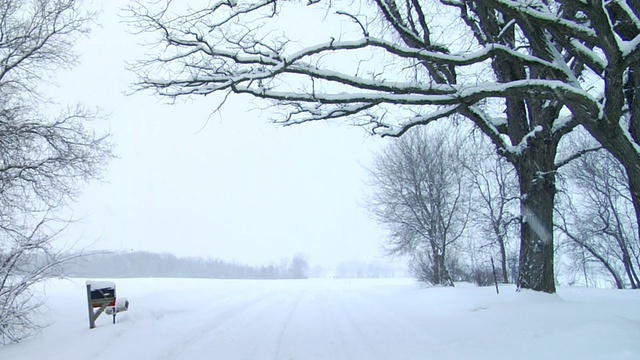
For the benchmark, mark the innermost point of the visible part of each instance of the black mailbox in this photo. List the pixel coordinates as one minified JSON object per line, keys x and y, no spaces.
{"x":104,"y":293}
{"x":101,"y":292}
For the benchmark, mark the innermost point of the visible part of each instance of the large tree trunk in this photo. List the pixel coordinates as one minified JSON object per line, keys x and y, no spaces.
{"x":436,"y":264}
{"x":536,"y":176}
{"x":503,"y":259}
{"x":628,"y":265}
{"x":628,"y":268}
{"x":445,"y":276}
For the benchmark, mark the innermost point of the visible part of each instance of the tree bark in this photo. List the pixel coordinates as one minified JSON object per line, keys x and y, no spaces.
{"x":536,"y":176}
{"x":436,"y":265}
{"x":503,"y":260}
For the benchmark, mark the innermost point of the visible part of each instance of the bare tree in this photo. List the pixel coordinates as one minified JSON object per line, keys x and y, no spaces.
{"x":418,"y":193}
{"x":44,"y":159}
{"x":299,"y":267}
{"x":598,"y":218}
{"x":527,"y":74}
{"x":27,"y":257}
{"x":495,"y":196}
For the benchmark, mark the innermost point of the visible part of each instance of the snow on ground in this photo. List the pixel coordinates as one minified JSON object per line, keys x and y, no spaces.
{"x":336,"y":319}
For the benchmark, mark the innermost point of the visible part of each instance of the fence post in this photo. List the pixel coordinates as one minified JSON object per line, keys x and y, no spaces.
{"x":495,"y":278}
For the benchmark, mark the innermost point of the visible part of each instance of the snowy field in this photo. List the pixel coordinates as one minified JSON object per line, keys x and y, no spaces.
{"x":336,"y":319}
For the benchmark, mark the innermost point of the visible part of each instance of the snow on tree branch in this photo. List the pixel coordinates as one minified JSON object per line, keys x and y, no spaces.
{"x":526,"y":73}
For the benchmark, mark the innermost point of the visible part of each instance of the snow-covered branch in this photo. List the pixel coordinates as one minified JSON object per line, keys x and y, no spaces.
{"x":526,"y":73}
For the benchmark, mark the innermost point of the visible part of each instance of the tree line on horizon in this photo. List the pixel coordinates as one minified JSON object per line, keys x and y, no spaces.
{"x":139,"y":264}
{"x":120,"y":264}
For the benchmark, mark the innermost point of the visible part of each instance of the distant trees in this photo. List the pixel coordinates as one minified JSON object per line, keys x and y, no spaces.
{"x":44,"y":158}
{"x":419,"y":193}
{"x":374,"y":269}
{"x":298,"y":267}
{"x":147,"y":264}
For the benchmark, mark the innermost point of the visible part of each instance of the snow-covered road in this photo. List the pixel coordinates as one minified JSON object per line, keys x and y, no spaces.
{"x":336,"y":319}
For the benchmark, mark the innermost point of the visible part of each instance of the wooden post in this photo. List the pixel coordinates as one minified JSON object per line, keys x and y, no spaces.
{"x":495,"y":278}
{"x":102,"y":304}
{"x":92,"y":319}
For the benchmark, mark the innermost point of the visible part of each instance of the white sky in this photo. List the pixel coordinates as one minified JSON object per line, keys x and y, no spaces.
{"x":241,"y":189}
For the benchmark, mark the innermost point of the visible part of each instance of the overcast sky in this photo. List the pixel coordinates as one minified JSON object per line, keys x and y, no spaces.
{"x":236,"y":187}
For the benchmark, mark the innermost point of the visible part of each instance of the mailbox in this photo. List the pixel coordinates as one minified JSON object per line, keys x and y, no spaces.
{"x":101,"y":292}
{"x":121,"y":304}
{"x":102,"y":295}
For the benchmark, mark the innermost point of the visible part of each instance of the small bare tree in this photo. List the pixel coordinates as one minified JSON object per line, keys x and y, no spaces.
{"x":43,"y":159}
{"x":26,"y":259}
{"x":419,"y":194}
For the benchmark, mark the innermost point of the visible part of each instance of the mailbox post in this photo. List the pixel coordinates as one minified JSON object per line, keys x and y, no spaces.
{"x":102,"y":295}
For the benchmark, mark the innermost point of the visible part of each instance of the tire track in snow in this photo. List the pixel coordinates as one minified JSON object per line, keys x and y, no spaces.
{"x":285,"y":325}
{"x":382,"y":330}
{"x":250,"y":333}
{"x":318,"y":328}
{"x":214,"y":323}
{"x":361,"y":346}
